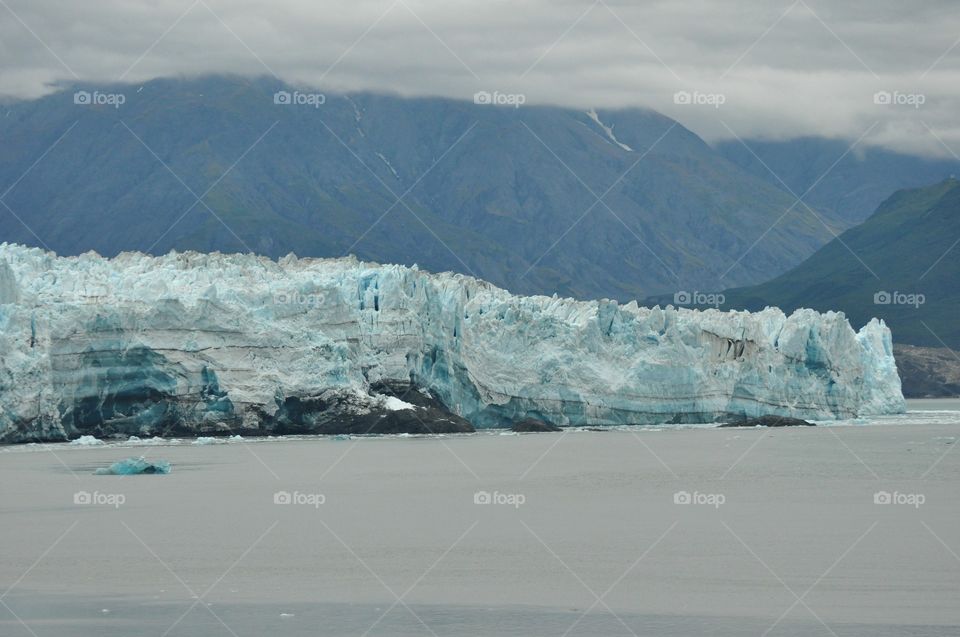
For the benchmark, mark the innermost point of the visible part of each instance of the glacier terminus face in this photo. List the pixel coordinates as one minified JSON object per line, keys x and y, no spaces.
{"x":219,"y":343}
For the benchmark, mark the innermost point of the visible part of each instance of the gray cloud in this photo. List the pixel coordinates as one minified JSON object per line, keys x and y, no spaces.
{"x":783,"y":69}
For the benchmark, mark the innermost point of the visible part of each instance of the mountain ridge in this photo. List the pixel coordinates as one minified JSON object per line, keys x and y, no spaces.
{"x":507,"y":194}
{"x":835,"y":175}
{"x":900,"y":265}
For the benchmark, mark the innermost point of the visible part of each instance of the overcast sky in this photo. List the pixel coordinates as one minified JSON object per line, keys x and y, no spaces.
{"x":781,"y":68}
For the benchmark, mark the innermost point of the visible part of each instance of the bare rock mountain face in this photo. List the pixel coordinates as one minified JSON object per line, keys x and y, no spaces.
{"x":928,"y":372}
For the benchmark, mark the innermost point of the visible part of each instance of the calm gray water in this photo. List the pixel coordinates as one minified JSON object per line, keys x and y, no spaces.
{"x":933,"y":404}
{"x":845,"y":530}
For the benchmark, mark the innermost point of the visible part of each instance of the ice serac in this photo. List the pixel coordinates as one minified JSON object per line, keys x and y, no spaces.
{"x":214,"y":343}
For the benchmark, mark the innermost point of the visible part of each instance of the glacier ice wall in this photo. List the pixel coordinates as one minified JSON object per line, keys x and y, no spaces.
{"x":212,"y":340}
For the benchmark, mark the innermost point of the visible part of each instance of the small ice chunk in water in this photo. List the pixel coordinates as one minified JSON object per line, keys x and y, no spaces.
{"x":87,"y":441}
{"x":205,"y":440}
{"x":137,"y":440}
{"x":134,"y":466}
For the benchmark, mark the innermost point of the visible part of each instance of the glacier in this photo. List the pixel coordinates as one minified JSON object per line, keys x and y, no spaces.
{"x":217,"y":344}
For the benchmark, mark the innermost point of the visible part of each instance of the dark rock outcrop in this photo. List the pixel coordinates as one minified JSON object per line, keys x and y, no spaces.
{"x":769,"y":421}
{"x":133,"y":405}
{"x":408,"y":421}
{"x":341,"y":413}
{"x":533,"y":425}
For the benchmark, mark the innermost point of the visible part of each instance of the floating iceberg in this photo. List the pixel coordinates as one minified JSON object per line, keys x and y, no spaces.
{"x":155,"y":441}
{"x":87,"y":441}
{"x":191,"y":344}
{"x":134,"y":466}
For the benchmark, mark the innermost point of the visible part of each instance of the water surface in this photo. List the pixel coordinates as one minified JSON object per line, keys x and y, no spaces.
{"x":494,"y":534}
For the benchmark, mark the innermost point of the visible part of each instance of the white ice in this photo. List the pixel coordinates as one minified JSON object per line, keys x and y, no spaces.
{"x":267,"y":330}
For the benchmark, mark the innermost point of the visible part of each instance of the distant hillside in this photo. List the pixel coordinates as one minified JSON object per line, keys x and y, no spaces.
{"x":928,"y":372}
{"x":504,"y":193}
{"x":902,"y":265}
{"x":853,"y":184}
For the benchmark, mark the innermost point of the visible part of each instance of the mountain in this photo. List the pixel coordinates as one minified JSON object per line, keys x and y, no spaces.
{"x":928,"y":372}
{"x":901,"y":265}
{"x":211,"y":343}
{"x":849,"y":185}
{"x":507,"y":194}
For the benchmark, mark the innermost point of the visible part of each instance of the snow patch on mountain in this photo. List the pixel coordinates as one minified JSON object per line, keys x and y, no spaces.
{"x":389,"y":165}
{"x":592,"y":114}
